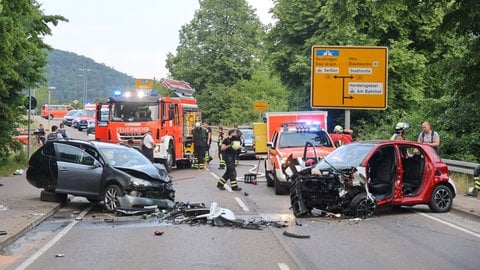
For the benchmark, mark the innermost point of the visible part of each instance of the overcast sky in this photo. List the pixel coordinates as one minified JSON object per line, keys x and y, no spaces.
{"x":132,"y":37}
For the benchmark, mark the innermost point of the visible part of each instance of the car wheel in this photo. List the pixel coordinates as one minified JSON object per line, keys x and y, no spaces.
{"x":110,"y":197}
{"x":279,"y":188}
{"x":268,"y":176}
{"x":441,"y":199}
{"x":47,"y":196}
{"x":362,"y":206}
{"x":170,"y":160}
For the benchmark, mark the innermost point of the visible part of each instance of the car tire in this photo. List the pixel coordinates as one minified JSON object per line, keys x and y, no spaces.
{"x":47,"y":196}
{"x":362,"y":206}
{"x":268,"y":177}
{"x":170,"y":160}
{"x":110,"y":197}
{"x":441,"y":199}
{"x":279,"y":188}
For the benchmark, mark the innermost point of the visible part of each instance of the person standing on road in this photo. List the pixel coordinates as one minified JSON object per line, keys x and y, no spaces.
{"x":341,"y":136}
{"x":230,"y":147}
{"x":428,"y":136}
{"x":54,"y":135}
{"x":209,"y":141}
{"x":63,"y":131}
{"x":199,"y":135}
{"x":399,"y":131}
{"x":221,"y":136}
{"x":242,"y":141}
{"x":147,"y":145}
{"x":473,"y":191}
{"x":40,"y":132}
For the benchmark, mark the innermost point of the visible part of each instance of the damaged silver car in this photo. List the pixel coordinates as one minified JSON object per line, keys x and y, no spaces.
{"x":118,"y":175}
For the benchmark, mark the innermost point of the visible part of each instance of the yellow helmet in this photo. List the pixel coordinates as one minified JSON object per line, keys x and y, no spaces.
{"x":338,"y":128}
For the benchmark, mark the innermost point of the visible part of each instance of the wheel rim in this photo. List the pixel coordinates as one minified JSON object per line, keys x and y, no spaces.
{"x":366,"y":208}
{"x":442,"y":198}
{"x":111,"y":198}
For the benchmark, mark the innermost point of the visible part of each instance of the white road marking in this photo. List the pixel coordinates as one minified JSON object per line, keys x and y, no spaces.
{"x":450,"y":224}
{"x":52,"y":242}
{"x":242,"y":204}
{"x":283,"y":266}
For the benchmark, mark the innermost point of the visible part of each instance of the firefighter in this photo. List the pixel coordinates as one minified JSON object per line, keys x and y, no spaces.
{"x":208,"y":157}
{"x":399,"y":130}
{"x":230,"y":146}
{"x":340,"y":136}
{"x":199,"y":145}
{"x":221,"y":136}
{"x":473,"y":191}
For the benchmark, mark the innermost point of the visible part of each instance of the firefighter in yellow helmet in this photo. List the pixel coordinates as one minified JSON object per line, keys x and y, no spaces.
{"x":230,"y":146}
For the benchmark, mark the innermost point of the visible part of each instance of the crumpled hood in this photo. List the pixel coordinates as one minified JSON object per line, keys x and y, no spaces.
{"x":147,"y":172}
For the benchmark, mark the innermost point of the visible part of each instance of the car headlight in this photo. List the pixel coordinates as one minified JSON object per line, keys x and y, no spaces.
{"x":137,"y":182}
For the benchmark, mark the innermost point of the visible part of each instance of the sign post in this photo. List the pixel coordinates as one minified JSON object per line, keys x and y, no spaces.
{"x":349,"y":77}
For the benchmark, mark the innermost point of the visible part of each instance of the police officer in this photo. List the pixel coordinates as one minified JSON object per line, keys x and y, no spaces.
{"x":230,"y":146}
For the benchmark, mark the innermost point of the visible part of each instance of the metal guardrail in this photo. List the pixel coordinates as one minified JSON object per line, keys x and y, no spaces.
{"x":460,"y":166}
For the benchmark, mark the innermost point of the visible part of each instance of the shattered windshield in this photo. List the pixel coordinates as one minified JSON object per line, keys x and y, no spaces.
{"x":346,"y":156}
{"x":124,"y":157}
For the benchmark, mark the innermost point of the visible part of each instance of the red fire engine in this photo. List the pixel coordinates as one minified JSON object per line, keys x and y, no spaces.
{"x":171,"y":120}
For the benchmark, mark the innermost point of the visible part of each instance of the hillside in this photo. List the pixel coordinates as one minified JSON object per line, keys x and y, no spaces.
{"x":63,"y":72}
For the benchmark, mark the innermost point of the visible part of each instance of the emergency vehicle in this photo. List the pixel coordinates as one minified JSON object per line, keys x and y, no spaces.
{"x":287,"y":134}
{"x":131,"y":114}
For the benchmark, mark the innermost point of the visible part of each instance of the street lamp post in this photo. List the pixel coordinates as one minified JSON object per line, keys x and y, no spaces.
{"x":50,"y":89}
{"x":85,"y":96}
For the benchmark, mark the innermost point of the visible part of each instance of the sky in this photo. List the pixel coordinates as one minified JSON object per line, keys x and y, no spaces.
{"x":132,"y":37}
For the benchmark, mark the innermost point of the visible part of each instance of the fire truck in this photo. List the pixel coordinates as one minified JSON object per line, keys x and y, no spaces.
{"x":171,"y":120}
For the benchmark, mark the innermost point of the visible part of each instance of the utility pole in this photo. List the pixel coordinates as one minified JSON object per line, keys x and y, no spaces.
{"x":85,"y":95}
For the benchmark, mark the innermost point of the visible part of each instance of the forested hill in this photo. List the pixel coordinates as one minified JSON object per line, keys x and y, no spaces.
{"x":64,"y":72}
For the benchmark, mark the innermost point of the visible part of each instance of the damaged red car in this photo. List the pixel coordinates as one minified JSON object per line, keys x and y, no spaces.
{"x":359,"y":178}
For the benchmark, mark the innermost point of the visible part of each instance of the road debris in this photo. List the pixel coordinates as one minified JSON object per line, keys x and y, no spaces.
{"x":294,"y":235}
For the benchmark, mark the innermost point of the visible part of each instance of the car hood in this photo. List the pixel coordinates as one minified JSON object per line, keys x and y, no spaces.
{"x":148,"y":172}
{"x":298,"y":151}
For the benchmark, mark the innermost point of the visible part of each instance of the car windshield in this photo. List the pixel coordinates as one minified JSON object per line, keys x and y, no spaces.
{"x":299,"y":139}
{"x":124,"y":157}
{"x":346,"y":156}
{"x":247,"y":134}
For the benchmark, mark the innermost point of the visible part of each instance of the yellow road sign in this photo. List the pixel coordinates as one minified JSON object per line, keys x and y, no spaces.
{"x":349,"y":77}
{"x":261,"y":106}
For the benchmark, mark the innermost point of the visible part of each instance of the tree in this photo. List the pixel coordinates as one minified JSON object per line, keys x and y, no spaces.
{"x":222,"y":44}
{"x":23,"y":52}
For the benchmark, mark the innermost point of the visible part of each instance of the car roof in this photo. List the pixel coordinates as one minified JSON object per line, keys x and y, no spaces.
{"x":97,"y":144}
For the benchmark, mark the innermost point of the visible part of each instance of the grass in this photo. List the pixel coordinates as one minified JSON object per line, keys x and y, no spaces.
{"x":462,"y":181}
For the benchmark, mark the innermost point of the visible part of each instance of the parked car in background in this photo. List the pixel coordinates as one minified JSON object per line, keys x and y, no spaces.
{"x":358,"y":178}
{"x":87,"y":117}
{"x":76,"y":118}
{"x":118,"y":175}
{"x":247,"y":142}
{"x":68,"y":118}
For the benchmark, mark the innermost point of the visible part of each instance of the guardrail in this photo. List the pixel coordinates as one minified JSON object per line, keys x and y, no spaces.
{"x":460,"y":166}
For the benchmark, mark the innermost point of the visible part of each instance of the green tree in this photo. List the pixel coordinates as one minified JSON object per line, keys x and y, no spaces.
{"x":22,"y":26}
{"x":222,"y":45}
